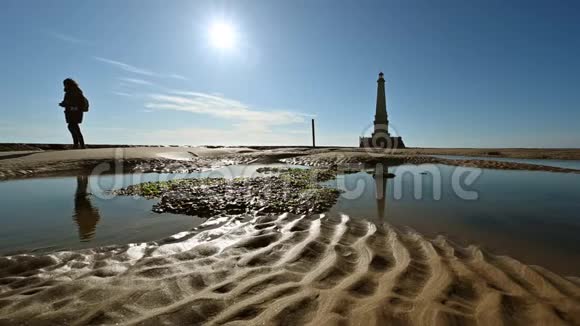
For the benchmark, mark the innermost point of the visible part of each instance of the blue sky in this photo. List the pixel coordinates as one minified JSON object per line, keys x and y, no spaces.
{"x":459,"y":73}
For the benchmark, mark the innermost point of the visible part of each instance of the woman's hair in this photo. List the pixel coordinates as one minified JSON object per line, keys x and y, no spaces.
{"x":69,"y":83}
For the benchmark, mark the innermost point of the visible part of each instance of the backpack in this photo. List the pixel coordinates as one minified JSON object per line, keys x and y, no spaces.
{"x":85,"y":105}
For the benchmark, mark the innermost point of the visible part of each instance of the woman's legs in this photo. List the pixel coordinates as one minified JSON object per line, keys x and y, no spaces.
{"x":80,"y":136}
{"x":73,"y":127}
{"x":77,"y":136}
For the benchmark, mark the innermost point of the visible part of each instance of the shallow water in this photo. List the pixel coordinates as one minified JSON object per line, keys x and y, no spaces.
{"x":45,"y":214}
{"x":567,"y":164}
{"x":529,"y":215}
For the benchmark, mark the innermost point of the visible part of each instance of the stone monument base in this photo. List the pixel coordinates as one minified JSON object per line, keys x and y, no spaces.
{"x":381,"y":142}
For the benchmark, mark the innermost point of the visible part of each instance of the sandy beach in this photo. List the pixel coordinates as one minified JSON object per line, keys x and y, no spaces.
{"x":275,"y":269}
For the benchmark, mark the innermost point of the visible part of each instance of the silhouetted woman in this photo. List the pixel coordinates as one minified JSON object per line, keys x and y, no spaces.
{"x":74,"y":105}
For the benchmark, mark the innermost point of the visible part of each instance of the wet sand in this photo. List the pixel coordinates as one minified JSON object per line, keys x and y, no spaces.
{"x":535,"y":153}
{"x":23,"y":164}
{"x":285,"y":270}
{"x":344,"y":158}
{"x":112,"y":160}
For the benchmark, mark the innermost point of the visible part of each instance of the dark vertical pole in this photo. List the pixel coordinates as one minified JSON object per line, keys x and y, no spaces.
{"x":313,"y":137}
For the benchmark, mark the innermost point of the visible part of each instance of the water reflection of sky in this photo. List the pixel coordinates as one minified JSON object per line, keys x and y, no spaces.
{"x":78,"y":211}
{"x":568,"y":164}
{"x":528,"y":214}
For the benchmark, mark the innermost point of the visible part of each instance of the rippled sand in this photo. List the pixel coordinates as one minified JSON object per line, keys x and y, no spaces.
{"x":285,"y":270}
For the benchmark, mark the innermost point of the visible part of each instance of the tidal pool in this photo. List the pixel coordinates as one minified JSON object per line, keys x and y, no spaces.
{"x":46,"y":214}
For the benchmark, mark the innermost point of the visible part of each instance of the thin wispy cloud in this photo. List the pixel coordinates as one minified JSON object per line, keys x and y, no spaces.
{"x":176,"y":76}
{"x":222,"y":107}
{"x":125,"y":66}
{"x":68,"y":38}
{"x":243,"y":124}
{"x":125,"y":94}
{"x":137,"y":70}
{"x":136,"y":81}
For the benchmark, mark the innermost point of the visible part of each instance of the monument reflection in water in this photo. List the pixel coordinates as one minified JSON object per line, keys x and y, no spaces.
{"x":85,"y":214}
{"x":381,"y":176}
{"x":364,"y":193}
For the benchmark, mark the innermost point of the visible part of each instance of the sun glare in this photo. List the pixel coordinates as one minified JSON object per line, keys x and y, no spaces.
{"x":222,"y":35}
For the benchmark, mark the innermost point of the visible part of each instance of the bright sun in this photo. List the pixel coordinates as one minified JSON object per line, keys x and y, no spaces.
{"x":222,"y":35}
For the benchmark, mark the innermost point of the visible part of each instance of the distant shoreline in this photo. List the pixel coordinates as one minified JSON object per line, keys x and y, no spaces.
{"x":531,"y":153}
